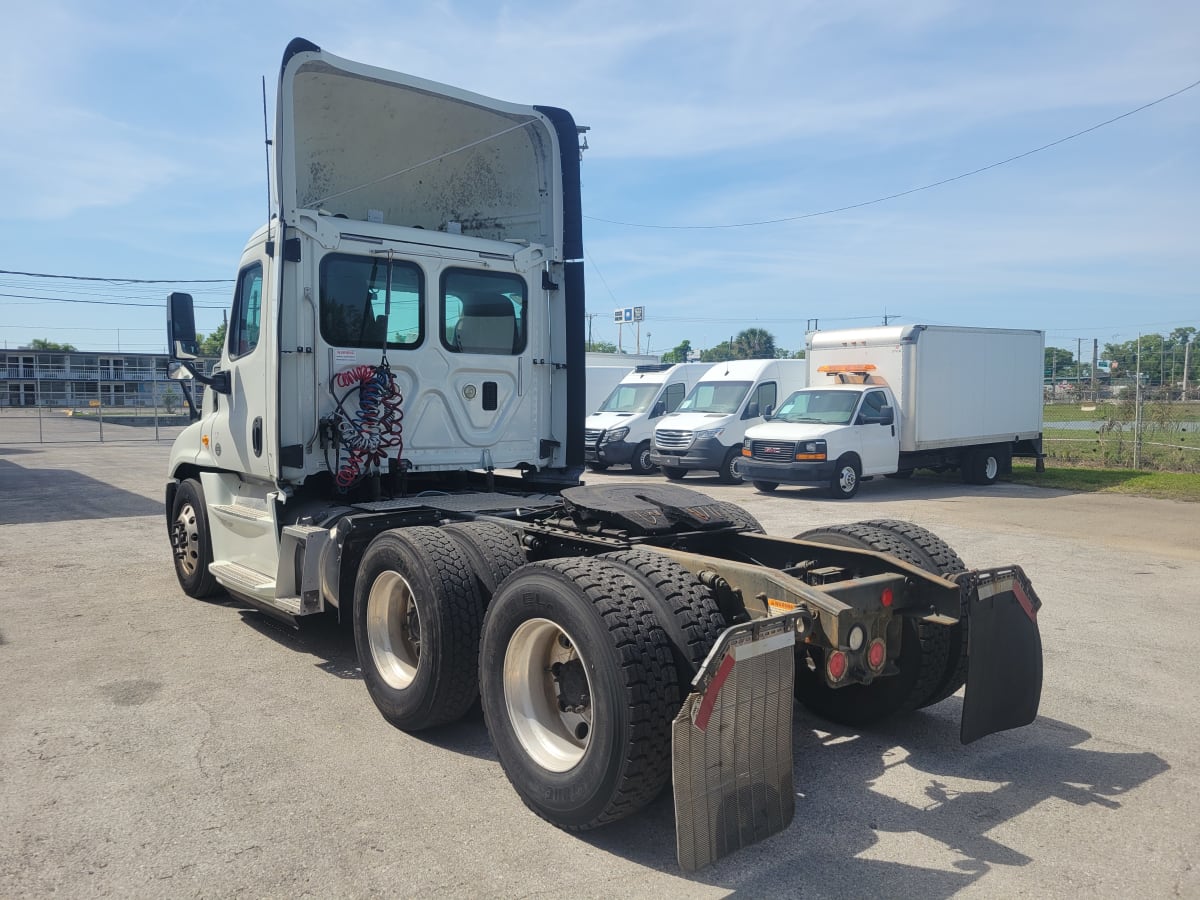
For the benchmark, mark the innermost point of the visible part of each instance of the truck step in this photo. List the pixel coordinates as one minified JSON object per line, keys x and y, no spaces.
{"x":244,"y":580}
{"x":241,"y":512}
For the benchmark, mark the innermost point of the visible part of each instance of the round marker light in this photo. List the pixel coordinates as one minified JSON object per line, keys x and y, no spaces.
{"x":887,"y":598}
{"x":876,"y":654}
{"x":856,"y":638}
{"x":836,"y":666}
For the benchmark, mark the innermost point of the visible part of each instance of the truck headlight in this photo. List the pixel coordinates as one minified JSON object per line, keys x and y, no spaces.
{"x":616,"y":434}
{"x":708,"y":433}
{"x":811,"y":451}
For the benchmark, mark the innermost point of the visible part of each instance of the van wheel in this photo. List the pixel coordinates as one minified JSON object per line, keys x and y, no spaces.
{"x":578,"y":688}
{"x":598,"y":467}
{"x":845,"y":479}
{"x":982,"y":466}
{"x":417,"y":617}
{"x":731,"y":467}
{"x":674,"y":473}
{"x":640,"y":461}
{"x":765,"y":486}
{"x":190,"y":541}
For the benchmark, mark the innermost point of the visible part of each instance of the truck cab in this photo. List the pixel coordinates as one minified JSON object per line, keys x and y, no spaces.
{"x":705,"y":432}
{"x":834,"y":434}
{"x":620,"y":430}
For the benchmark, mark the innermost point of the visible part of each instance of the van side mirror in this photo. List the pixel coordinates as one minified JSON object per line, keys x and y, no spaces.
{"x":751,"y":410}
{"x":769,"y":412}
{"x":660,"y":407}
{"x":887,"y":415}
{"x":181,"y":327}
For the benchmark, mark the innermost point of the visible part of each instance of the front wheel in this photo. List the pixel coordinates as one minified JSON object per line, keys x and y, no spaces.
{"x":846,"y":478}
{"x":765,"y":486}
{"x":731,"y":467}
{"x":190,"y":541}
{"x":640,"y":463}
{"x":579,"y":688}
{"x":417,"y":616}
{"x":674,"y":473}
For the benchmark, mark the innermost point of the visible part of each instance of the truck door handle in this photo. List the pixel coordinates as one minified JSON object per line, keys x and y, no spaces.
{"x":256,"y":436}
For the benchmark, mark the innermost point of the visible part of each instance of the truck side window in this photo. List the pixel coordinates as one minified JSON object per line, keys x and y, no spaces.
{"x":483,"y":312}
{"x":247,"y":312}
{"x":672,"y":397}
{"x":356,"y":309}
{"x":873,"y":402}
{"x":764,"y":395}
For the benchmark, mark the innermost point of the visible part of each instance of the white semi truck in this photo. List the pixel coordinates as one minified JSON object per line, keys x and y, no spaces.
{"x":395,"y":436}
{"x":887,"y":401}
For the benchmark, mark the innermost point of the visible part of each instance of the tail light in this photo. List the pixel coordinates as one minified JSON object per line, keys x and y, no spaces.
{"x":876,"y":655}
{"x":837,"y":664}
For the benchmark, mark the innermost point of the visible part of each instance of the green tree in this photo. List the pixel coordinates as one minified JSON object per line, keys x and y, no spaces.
{"x":43,"y":344}
{"x":720,"y":353}
{"x":754,"y":343}
{"x":212,"y":345}
{"x":602,"y":347}
{"x":679,"y":354}
{"x":1059,"y":363}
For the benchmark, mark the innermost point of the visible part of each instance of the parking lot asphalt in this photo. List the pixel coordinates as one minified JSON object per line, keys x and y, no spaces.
{"x":156,"y":746}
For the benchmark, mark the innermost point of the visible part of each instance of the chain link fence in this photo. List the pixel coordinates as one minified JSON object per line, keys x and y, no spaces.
{"x":49,"y":411}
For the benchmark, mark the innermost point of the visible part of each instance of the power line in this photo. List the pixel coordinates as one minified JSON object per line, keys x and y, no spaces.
{"x":93,"y":302}
{"x":924,"y":187}
{"x":122,"y":280}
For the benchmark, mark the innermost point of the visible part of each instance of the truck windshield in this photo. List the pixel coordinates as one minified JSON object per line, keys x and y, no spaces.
{"x":825,"y":407}
{"x":715,"y":397}
{"x":630,"y":398}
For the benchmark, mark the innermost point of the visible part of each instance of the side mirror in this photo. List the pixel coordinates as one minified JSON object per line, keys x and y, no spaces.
{"x":658,"y":409}
{"x":751,"y":410}
{"x":769,"y":412}
{"x":181,"y":327}
{"x":887,"y":415}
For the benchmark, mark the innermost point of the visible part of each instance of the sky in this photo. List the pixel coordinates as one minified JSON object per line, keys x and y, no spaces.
{"x":132,"y":148}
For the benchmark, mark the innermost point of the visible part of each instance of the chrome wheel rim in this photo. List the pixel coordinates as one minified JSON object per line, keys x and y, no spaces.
{"x":539,"y":655}
{"x":991,"y":468}
{"x":848,"y":479}
{"x":186,"y":538}
{"x":394,"y":630}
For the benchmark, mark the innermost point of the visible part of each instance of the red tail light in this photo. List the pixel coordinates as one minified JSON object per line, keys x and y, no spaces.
{"x":887,"y":598}
{"x":836,"y":666}
{"x":876,"y":654}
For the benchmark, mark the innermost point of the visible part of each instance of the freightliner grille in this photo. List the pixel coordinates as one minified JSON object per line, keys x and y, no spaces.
{"x":673,"y":440}
{"x":773,"y":450}
{"x":591,"y":436}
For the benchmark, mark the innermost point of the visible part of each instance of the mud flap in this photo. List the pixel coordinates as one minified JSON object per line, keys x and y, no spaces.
{"x":731,"y":744}
{"x":1004,"y":653}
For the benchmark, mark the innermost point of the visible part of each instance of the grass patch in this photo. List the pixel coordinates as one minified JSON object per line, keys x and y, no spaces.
{"x":1165,"y":485}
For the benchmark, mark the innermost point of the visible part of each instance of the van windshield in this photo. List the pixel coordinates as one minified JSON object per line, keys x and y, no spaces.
{"x":630,"y":398}
{"x":824,"y":407}
{"x":715,"y":397}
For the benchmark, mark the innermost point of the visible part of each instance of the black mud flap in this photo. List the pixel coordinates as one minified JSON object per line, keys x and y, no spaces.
{"x":731,"y":744}
{"x":1004,"y":653}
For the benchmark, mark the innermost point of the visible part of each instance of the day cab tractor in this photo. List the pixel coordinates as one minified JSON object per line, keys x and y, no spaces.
{"x":394,"y":435}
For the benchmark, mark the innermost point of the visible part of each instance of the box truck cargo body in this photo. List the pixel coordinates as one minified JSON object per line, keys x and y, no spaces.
{"x":887,"y":401}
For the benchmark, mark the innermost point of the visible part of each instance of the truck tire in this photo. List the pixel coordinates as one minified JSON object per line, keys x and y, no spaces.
{"x":739,"y":516}
{"x":493,"y":552}
{"x":846,"y":477}
{"x":765,"y":486}
{"x":190,"y":542}
{"x":674,"y":473}
{"x":598,"y":467}
{"x":730,"y":471}
{"x":685,"y":608}
{"x":940,"y":559}
{"x":579,"y":689}
{"x":982,"y":465}
{"x":640,"y":463}
{"x":417,"y":618}
{"x":924,"y":648}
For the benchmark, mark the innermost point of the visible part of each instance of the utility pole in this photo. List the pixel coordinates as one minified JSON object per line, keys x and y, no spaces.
{"x":1095,"y":362}
{"x":1078,"y":362}
{"x":1137,"y":409}
{"x":590,"y":316}
{"x":1187,"y":347}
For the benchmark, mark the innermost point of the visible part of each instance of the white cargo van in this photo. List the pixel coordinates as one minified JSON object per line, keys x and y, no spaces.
{"x":620,"y":430}
{"x":706,"y":431}
{"x":600,"y":382}
{"x":886,"y":401}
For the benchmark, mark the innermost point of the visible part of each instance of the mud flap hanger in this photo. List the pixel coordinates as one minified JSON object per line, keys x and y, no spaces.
{"x":1004,"y":651}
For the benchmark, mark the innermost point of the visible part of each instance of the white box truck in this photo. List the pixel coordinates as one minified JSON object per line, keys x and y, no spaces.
{"x":887,"y":401}
{"x":620,"y":429}
{"x":706,"y":431}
